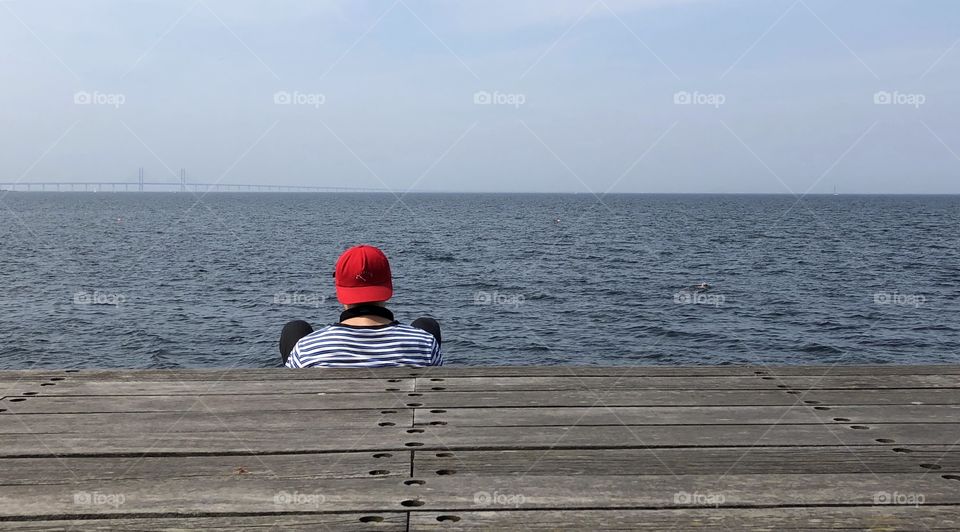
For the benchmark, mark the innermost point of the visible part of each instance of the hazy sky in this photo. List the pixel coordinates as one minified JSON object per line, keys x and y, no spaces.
{"x":574,"y":95}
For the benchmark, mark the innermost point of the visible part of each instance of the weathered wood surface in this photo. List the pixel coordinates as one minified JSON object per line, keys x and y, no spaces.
{"x":687,"y":461}
{"x":489,"y":371}
{"x":168,"y":386}
{"x":877,"y":518}
{"x":385,"y":521}
{"x":736,"y":447}
{"x":696,"y":415}
{"x":468,"y":384}
{"x":66,"y":470}
{"x":445,"y":400}
{"x":201,"y":420}
{"x":162,"y":497}
{"x":301,"y":440}
{"x":884,"y":518}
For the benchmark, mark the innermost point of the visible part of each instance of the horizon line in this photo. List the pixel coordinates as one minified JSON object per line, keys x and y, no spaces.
{"x":414,"y":192}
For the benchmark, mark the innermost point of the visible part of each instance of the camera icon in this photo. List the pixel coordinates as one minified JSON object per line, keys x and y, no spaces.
{"x":82,"y":498}
{"x":682,"y":497}
{"x":282,"y":498}
{"x":482,"y":298}
{"x":82,"y":98}
{"x":482,"y":98}
{"x":682,"y":98}
{"x":882,"y":98}
{"x":881,"y":298}
{"x":482,"y":498}
{"x":882,"y":497}
{"x":282,"y":98}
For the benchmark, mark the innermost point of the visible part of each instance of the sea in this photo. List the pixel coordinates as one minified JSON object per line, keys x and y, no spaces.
{"x":184,"y":280}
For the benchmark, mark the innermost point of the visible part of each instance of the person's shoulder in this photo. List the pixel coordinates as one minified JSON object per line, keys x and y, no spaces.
{"x":317,"y":333}
{"x":412,"y":331}
{"x":314,"y":336}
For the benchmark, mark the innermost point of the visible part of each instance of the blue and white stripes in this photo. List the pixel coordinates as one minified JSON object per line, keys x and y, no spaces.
{"x":345,"y":346}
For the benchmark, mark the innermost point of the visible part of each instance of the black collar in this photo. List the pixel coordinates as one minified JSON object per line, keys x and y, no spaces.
{"x":366,"y":310}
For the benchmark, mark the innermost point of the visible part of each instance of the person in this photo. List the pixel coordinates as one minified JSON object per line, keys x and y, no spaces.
{"x":367,"y":334}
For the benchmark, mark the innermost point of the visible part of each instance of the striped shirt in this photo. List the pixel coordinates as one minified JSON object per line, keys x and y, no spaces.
{"x":379,"y":346}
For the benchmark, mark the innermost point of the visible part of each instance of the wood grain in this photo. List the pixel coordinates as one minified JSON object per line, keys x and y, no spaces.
{"x":735,"y":447}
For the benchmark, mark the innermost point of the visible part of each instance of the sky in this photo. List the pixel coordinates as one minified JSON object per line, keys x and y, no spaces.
{"x":589,"y":96}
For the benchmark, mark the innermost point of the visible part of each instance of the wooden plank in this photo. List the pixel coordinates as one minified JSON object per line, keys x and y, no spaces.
{"x":430,"y":400}
{"x":614,"y":436}
{"x":70,"y":470}
{"x":471,"y":493}
{"x":199,"y":420}
{"x":166,"y":498}
{"x":443,"y":400}
{"x":904,"y":376}
{"x":206,"y":375}
{"x":700,"y":415}
{"x":386,"y":521}
{"x":690,"y":461}
{"x":886,"y":518}
{"x":479,"y":371}
{"x":571,"y":398}
{"x":223,"y":442}
{"x":465,"y":384}
{"x":325,"y":439}
{"x":221,"y":387}
{"x":208,"y":403}
{"x":693,"y":371}
{"x":226,"y":403}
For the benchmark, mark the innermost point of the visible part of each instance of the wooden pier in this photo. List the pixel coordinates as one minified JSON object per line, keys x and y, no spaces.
{"x":506,"y":448}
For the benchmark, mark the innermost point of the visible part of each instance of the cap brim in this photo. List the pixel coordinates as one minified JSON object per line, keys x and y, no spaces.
{"x":363,"y":294}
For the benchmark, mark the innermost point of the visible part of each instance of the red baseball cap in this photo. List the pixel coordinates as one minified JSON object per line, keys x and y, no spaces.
{"x":362,"y":275}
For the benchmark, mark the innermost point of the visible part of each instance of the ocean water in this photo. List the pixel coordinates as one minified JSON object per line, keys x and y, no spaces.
{"x":144,"y":280}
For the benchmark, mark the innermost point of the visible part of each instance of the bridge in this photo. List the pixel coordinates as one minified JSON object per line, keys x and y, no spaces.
{"x":181,"y":185}
{"x":159,"y":186}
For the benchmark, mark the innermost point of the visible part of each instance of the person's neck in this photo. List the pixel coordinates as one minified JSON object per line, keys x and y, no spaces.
{"x":367,"y":320}
{"x":366,"y":315}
